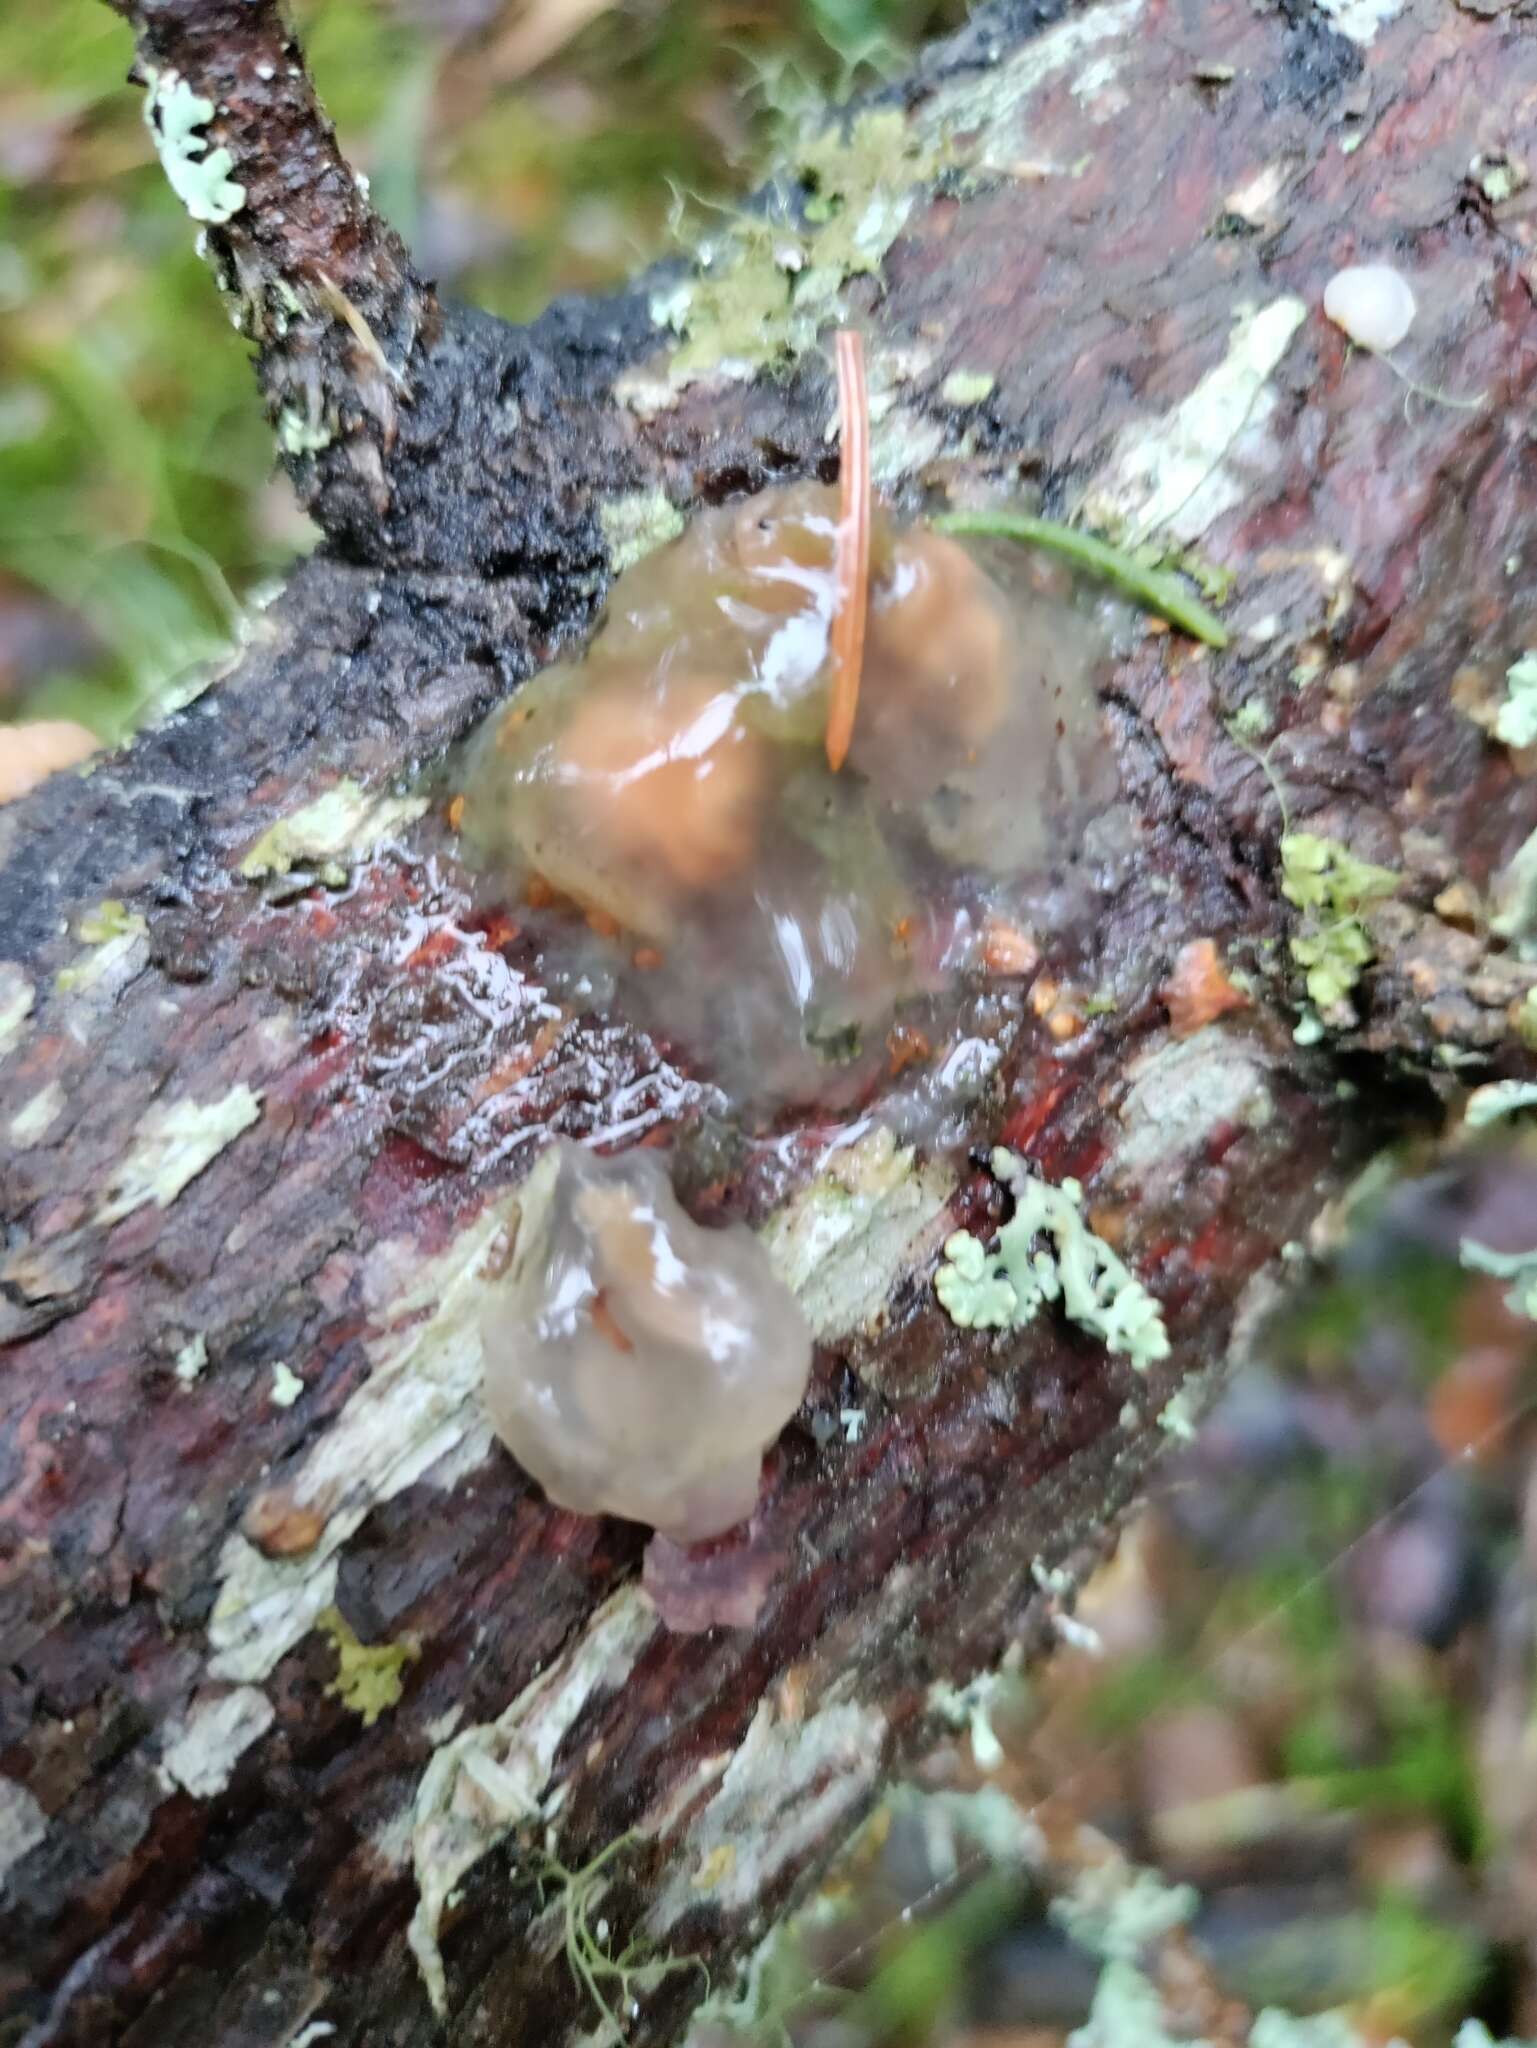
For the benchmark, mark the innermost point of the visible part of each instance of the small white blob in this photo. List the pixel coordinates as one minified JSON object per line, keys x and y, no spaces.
{"x":637,"y":1364}
{"x":1372,"y":303}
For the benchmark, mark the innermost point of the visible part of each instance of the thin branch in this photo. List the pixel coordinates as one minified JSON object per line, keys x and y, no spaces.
{"x":316,"y":278}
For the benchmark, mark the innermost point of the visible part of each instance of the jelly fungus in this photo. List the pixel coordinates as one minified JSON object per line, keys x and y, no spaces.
{"x":675,"y":787}
{"x":637,"y":1364}
{"x":1372,"y":304}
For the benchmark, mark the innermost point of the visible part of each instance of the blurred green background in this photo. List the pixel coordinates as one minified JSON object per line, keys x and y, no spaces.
{"x":524,"y":150}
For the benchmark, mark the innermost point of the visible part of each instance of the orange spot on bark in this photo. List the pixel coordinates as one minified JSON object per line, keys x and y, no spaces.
{"x":907,"y":1047}
{"x":1006,"y":950}
{"x":1198,"y":991}
{"x":280,"y":1526}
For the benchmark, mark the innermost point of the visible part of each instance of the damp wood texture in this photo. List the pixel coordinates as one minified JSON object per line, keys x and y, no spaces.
{"x":300,"y":1674}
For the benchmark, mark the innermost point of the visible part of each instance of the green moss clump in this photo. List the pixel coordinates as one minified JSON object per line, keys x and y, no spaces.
{"x":762,"y":290}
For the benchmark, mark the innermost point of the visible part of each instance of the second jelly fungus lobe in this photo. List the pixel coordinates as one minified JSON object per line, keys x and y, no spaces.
{"x":637,"y":1364}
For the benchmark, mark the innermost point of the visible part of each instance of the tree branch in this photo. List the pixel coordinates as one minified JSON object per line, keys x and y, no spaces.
{"x":203,"y":1836}
{"x":318,"y":281}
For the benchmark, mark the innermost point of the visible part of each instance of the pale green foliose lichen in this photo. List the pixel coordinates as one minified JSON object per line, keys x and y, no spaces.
{"x":111,"y":932}
{"x":1182,"y":1411}
{"x":1118,"y":1910}
{"x":17,"y":996}
{"x":347,"y":822}
{"x":173,"y":1142}
{"x":967,"y":387}
{"x":1498,"y":1099}
{"x":1474,"y":2034}
{"x":286,"y":1385}
{"x":763,"y":288}
{"x":1274,"y":2028}
{"x":300,"y":435}
{"x":1128,"y":2013}
{"x":1519,"y":1267}
{"x":1047,"y":1251}
{"x":1516,"y":723}
{"x":176,"y":117}
{"x":191,"y":1359}
{"x":1331,"y":886}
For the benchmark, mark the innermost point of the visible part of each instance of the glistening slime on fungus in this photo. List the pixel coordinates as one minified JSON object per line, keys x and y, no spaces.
{"x":637,"y":1364}
{"x":667,"y":803}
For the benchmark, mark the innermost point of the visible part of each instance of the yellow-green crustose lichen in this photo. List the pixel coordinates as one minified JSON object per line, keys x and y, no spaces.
{"x":367,"y":1674}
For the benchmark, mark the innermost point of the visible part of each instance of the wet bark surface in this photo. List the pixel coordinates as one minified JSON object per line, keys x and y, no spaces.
{"x":388,"y":1063}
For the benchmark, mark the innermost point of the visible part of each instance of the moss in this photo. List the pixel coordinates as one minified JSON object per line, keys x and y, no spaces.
{"x":367,"y":1674}
{"x":636,"y":524}
{"x":763,"y":288}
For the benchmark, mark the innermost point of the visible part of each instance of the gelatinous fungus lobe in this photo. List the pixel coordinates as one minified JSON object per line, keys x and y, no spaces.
{"x":673,"y":789}
{"x":637,"y":1364}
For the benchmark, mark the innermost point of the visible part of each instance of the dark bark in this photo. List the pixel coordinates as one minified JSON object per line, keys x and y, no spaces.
{"x":203,"y":1842}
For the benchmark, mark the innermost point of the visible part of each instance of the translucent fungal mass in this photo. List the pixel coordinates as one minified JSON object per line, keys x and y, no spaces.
{"x":637,"y":1364}
{"x":668,"y":801}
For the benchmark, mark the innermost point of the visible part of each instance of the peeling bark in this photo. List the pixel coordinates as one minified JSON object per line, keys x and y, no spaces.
{"x":266,"y":1126}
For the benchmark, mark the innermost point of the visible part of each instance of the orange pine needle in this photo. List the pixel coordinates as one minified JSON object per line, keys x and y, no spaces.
{"x":853,"y":552}
{"x":607,"y":1324}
